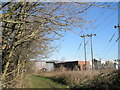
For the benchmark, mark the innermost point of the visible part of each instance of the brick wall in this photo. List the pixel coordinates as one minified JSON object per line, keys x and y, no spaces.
{"x":82,"y":65}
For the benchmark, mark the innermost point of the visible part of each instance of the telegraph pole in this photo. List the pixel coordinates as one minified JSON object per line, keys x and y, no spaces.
{"x":92,"y":49}
{"x":84,"y":37}
{"x":85,"y":50}
{"x":118,"y":26}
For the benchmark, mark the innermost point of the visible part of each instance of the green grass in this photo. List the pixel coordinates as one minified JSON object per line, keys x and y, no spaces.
{"x":36,"y":81}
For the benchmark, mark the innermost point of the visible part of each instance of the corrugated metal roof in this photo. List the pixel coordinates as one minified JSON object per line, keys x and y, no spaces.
{"x":45,"y":61}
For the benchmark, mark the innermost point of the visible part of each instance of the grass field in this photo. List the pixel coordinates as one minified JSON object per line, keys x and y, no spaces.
{"x":107,"y":78}
{"x":36,"y":81}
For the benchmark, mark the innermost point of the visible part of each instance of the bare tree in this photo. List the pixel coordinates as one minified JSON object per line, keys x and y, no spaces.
{"x":29,"y":28}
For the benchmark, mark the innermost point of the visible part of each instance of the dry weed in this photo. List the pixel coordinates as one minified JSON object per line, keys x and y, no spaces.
{"x":74,"y":77}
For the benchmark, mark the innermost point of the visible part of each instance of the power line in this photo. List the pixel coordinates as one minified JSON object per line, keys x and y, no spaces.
{"x":107,"y":44}
{"x":110,"y":22}
{"x":112,"y":45}
{"x":99,"y":16}
{"x":80,"y":45}
{"x":104,"y":20}
{"x":110,"y":38}
{"x":109,"y":49}
{"x":78,"y":49}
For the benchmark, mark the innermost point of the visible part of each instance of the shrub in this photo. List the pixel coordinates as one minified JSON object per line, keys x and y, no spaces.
{"x":88,"y":78}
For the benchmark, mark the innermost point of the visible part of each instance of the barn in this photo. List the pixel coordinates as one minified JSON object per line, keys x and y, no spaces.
{"x":44,"y":65}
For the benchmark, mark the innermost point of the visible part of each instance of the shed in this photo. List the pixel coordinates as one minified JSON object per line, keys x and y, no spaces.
{"x":44,"y":65}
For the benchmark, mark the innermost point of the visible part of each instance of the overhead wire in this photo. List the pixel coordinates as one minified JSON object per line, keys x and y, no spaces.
{"x":80,"y":45}
{"x":110,"y":38}
{"x":108,"y":16}
{"x":109,"y":49}
{"x":99,"y":16}
{"x":113,"y":44}
{"x":108,"y":41}
{"x":99,"y":29}
{"x":104,"y":26}
{"x":118,"y":38}
{"x":107,"y":45}
{"x":78,"y":49}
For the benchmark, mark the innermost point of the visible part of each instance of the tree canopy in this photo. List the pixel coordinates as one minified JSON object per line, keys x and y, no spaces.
{"x":29,"y":28}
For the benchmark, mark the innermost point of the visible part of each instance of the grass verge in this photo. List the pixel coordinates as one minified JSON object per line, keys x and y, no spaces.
{"x":36,"y":81}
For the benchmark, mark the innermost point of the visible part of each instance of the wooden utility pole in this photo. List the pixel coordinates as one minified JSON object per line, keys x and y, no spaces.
{"x":118,"y":26}
{"x":85,"y":51}
{"x":92,"y":49}
{"x":84,"y":37}
{"x":119,"y":34}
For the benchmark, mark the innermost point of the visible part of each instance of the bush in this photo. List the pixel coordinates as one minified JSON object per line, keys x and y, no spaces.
{"x":88,"y":79}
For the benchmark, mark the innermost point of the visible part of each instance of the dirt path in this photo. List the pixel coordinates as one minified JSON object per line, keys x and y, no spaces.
{"x":35,"y":81}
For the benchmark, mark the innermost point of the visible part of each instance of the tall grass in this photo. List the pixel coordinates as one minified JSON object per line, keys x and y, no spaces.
{"x":74,"y":78}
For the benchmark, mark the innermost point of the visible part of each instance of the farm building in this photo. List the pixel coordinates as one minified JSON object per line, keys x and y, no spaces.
{"x":102,"y":64}
{"x":82,"y":65}
{"x":74,"y":65}
{"x":44,"y":65}
{"x":71,"y":65}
